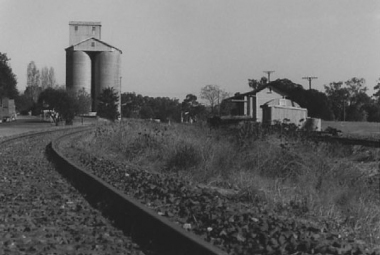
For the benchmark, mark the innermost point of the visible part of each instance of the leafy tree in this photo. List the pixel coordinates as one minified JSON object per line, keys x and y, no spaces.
{"x":376,"y":95}
{"x":23,"y":104}
{"x":60,"y":103}
{"x":339,"y":98}
{"x":214,"y":95}
{"x":33,"y":88}
{"x":255,"y":84}
{"x":349,"y":100}
{"x":8,"y":81}
{"x":108,"y":104}
{"x":138,"y":106}
{"x":316,"y":103}
{"x":146,"y":112}
{"x":83,"y":102}
{"x":192,"y":108}
{"x":131,"y":105}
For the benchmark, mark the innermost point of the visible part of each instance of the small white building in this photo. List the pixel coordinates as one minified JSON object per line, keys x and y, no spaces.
{"x":283,"y":110}
{"x":266,"y":104}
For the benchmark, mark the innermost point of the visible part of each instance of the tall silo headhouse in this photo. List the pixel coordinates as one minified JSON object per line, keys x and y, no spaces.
{"x":91,"y":63}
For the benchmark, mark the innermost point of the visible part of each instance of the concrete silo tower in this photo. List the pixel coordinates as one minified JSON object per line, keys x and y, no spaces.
{"x":91,"y":63}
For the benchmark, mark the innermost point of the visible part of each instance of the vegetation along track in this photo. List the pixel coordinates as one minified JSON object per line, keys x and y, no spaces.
{"x":41,"y":213}
{"x":145,"y":226}
{"x":226,"y":221}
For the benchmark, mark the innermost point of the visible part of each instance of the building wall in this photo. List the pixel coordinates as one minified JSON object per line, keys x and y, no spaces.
{"x":78,"y":71}
{"x":79,"y":31}
{"x":278,"y":113}
{"x":107,"y":72}
{"x":261,"y":98}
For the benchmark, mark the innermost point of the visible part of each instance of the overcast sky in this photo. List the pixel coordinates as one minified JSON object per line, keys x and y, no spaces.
{"x":175,"y":47}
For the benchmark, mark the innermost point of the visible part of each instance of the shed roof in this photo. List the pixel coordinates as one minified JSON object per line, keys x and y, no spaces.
{"x":281,"y":86}
{"x":281,"y":102}
{"x":260,"y":88}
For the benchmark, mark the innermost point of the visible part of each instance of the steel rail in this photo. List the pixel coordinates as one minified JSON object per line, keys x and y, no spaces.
{"x":128,"y":214}
{"x":348,"y":141}
{"x":6,"y":139}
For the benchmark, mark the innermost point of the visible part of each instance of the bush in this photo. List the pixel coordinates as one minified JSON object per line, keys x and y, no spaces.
{"x":184,"y":156}
{"x":108,"y":104}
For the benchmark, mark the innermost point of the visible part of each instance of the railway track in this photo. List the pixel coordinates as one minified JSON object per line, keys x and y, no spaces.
{"x":45,"y":214}
{"x":145,"y":226}
{"x":348,"y":141}
{"x":41,"y":213}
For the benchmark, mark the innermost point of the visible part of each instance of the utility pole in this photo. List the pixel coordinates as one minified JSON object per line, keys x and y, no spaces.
{"x":309,"y":78}
{"x":268,"y":72}
{"x":120,"y":100}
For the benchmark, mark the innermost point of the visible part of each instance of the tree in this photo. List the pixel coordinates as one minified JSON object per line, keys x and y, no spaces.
{"x":339,"y":98}
{"x":349,"y":100}
{"x":33,"y":82}
{"x":214,"y":95}
{"x":60,"y":103}
{"x":52,"y":83}
{"x":108,"y":104}
{"x":316,"y":103}
{"x":23,"y":104}
{"x":8,"y":81}
{"x":376,"y":95}
{"x":83,"y":102}
{"x":191,"y":108}
{"x":255,"y":84}
{"x":131,"y":105}
{"x":44,"y":78}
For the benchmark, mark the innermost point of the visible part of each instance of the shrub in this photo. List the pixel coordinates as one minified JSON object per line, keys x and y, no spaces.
{"x":184,"y":156}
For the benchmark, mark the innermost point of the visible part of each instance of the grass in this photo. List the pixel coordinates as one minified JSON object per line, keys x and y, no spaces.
{"x":278,"y":169}
{"x":363,"y":129}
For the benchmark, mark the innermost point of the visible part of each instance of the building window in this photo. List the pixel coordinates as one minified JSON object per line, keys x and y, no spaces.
{"x":93,"y":30}
{"x":93,"y":44}
{"x":76,"y":28}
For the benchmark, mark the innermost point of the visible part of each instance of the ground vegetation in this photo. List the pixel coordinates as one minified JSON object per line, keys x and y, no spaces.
{"x":247,"y":189}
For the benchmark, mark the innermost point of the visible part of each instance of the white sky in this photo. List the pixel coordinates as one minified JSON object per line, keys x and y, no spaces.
{"x":175,"y":47}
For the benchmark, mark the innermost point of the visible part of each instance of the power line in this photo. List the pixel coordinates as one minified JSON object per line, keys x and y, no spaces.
{"x":309,"y":78}
{"x":268,"y":72}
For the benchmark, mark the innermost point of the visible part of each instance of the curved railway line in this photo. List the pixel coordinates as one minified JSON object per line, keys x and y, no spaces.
{"x":43,"y":213}
{"x":128,"y":214}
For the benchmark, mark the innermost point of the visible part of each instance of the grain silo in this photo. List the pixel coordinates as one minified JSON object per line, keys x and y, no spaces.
{"x":91,"y":63}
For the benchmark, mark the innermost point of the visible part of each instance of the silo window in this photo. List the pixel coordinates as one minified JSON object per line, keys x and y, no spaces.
{"x":93,"y":44}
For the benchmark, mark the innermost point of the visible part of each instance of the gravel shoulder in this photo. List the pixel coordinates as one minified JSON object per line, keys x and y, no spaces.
{"x":43,"y":214}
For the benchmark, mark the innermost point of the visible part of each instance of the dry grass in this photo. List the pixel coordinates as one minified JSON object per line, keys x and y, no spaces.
{"x":282,"y":171}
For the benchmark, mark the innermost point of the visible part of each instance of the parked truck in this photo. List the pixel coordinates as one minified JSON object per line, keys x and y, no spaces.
{"x":7,"y":110}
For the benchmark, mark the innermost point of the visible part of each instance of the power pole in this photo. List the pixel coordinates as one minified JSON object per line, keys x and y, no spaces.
{"x":268,"y":72}
{"x":309,"y":78}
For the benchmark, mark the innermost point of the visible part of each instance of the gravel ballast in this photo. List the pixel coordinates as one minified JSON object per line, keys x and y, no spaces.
{"x":40,"y":213}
